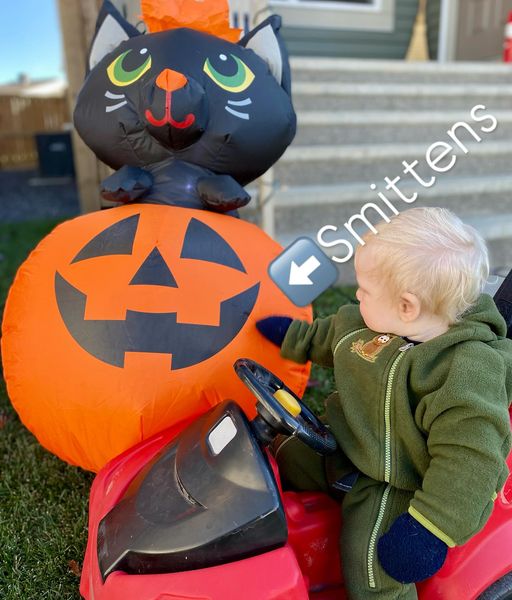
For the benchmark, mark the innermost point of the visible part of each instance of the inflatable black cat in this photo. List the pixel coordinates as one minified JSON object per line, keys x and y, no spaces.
{"x":186,"y":118}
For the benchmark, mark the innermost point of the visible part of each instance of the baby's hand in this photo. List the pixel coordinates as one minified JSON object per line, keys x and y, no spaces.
{"x":408,"y":552}
{"x":274,"y":328}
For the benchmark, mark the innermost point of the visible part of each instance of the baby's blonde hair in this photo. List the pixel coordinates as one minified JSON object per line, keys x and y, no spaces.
{"x":433,"y":254}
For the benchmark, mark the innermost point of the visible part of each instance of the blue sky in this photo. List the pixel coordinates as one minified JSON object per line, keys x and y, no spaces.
{"x":30,"y":40}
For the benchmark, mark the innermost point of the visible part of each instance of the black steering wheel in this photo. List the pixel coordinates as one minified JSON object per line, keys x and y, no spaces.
{"x":280,"y":408}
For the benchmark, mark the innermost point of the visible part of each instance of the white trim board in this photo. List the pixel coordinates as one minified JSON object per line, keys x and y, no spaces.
{"x":447,"y":30}
{"x":369,"y":65}
{"x":379,"y":16}
{"x":370,"y":7}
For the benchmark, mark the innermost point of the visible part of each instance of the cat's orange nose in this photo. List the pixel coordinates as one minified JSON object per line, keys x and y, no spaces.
{"x":170,"y":80}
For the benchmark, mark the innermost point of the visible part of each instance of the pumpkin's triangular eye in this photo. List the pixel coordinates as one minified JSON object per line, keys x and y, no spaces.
{"x":116,"y":239}
{"x":203,"y":243}
{"x":154,"y":271}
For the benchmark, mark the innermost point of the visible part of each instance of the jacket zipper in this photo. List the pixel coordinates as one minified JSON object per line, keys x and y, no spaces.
{"x":347,"y":336}
{"x":387,"y":463}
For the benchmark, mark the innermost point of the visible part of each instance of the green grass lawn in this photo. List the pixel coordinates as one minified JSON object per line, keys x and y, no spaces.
{"x":43,"y":502}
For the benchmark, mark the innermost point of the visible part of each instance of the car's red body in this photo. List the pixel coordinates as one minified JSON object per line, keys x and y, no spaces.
{"x":306,"y":567}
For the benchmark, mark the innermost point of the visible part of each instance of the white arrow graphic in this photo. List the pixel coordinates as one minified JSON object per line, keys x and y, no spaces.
{"x":300,"y":275}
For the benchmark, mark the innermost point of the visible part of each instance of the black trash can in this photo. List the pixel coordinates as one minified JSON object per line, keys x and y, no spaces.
{"x":55,"y":154}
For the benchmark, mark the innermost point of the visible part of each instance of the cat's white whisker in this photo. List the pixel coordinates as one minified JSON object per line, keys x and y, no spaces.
{"x":240,"y":115}
{"x":115,"y":106}
{"x":112,"y":96}
{"x":244,"y":102}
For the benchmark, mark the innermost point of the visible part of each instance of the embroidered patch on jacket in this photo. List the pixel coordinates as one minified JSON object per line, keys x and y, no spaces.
{"x":370,"y":350}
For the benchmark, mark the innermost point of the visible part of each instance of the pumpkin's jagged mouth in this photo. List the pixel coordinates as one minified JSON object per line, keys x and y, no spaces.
{"x":189,"y":344}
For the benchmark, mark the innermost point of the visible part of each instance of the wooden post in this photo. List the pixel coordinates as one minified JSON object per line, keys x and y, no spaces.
{"x":266,"y":202}
{"x":78,"y":19}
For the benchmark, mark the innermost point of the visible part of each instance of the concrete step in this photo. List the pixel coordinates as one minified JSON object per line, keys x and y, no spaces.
{"x":496,"y":230}
{"x":484,"y":202}
{"x":314,"y":218}
{"x":491,"y":227}
{"x":330,"y":164}
{"x":500,"y":258}
{"x":394,"y":71}
{"x":299,"y":208}
{"x":317,"y":96}
{"x":303,"y":196}
{"x":358,"y":120}
{"x":326,"y":195}
{"x":381,"y":127}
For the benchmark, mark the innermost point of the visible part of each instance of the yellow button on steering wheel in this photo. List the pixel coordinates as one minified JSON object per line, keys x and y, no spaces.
{"x":287,"y":401}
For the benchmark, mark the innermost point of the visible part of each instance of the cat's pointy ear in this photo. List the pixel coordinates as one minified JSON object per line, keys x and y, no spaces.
{"x":266,"y":41}
{"x":111,"y":29}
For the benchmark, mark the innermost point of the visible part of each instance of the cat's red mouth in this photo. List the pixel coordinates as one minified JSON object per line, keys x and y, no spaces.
{"x":168,"y":119}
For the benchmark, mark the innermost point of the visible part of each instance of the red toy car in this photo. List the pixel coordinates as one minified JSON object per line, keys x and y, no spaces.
{"x":197,"y":513}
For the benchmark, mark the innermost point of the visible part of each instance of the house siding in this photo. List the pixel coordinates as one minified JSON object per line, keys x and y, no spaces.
{"x":303,"y":41}
{"x":433,"y":23}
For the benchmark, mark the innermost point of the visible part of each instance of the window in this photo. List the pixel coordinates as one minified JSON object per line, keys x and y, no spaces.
{"x":362,"y":15}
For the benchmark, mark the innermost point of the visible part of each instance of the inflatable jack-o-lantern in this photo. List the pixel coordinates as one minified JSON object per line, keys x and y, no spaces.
{"x":126,"y":321}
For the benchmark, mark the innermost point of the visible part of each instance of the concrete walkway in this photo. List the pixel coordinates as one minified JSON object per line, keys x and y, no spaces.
{"x":25,"y":197}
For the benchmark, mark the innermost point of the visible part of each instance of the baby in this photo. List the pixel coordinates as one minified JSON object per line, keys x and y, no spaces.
{"x":423,"y":374}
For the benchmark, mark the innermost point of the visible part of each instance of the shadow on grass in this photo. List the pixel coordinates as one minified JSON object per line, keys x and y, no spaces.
{"x":43,"y":502}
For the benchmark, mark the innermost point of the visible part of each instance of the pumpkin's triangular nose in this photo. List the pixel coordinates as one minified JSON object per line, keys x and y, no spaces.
{"x":154,"y":271}
{"x":170,"y":80}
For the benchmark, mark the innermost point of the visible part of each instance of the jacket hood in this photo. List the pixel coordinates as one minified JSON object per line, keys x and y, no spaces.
{"x":482,"y":321}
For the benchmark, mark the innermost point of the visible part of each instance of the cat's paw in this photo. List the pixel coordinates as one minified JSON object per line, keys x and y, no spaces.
{"x":221,"y":193}
{"x":126,"y":185}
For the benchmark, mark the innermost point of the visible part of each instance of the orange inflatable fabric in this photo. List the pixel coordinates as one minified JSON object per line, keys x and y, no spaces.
{"x":210,"y":17}
{"x":126,"y":321}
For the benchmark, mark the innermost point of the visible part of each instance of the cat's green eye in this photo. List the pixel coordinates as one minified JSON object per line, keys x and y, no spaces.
{"x":119,"y":76}
{"x":238,"y":82}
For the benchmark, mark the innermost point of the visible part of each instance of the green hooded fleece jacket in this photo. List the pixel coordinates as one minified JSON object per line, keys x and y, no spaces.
{"x":430,"y":418}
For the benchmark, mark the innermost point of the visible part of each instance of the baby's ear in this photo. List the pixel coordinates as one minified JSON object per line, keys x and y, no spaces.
{"x":111,"y":29}
{"x":409,"y":307}
{"x":266,"y":41}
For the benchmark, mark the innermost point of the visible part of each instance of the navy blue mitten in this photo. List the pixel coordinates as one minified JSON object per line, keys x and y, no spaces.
{"x":274,"y":328}
{"x":408,"y":552}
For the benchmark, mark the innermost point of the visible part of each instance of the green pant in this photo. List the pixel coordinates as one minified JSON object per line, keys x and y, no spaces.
{"x":368,"y":511}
